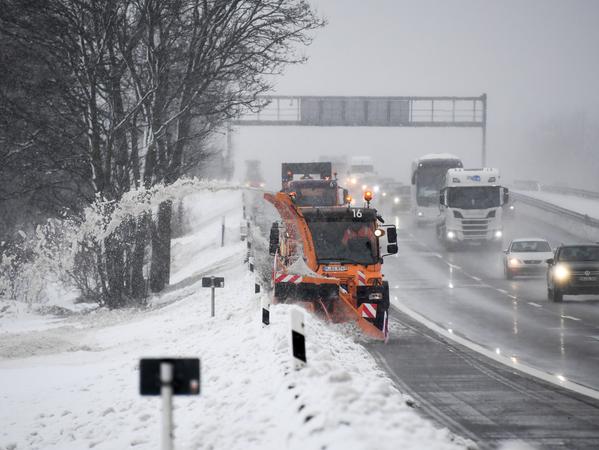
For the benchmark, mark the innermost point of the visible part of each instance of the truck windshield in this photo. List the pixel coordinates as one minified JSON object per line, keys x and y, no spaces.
{"x":361,"y":168}
{"x":344,"y":240}
{"x":316,"y":196}
{"x":473,"y":197}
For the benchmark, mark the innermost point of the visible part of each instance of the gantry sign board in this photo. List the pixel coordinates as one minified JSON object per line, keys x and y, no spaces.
{"x":351,"y":111}
{"x":370,"y":111}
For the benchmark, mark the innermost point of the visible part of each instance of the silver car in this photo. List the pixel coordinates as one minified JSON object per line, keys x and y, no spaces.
{"x":526,"y":257}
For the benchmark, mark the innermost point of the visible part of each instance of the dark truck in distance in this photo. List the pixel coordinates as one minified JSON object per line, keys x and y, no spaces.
{"x":574,"y":270}
{"x":312,"y":184}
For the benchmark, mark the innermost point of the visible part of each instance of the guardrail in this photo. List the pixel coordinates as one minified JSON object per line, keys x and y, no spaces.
{"x":583,"y":219}
{"x":570,"y":191}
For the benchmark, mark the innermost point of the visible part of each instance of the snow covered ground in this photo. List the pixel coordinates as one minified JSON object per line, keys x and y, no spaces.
{"x":72,"y":382}
{"x":581,"y":205}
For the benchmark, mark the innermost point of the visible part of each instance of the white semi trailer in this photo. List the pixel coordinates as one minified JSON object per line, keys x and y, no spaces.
{"x":471,"y":207}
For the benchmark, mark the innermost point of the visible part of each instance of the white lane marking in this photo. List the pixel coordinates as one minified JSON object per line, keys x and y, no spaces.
{"x":536,"y":305}
{"x":563,"y":316}
{"x":503,"y":291}
{"x":512,"y":296}
{"x":475,"y":278}
{"x":513,"y":362}
{"x":439,"y":255}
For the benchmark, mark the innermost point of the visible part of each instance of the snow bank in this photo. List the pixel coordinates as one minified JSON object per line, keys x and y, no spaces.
{"x":75,"y":385}
{"x":581,"y":205}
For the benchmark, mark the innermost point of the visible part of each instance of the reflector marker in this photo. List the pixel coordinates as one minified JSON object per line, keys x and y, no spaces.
{"x":281,"y":277}
{"x":369,"y":310}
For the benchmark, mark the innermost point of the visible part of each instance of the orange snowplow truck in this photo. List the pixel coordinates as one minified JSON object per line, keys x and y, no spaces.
{"x":312,"y":184}
{"x":329,"y":259}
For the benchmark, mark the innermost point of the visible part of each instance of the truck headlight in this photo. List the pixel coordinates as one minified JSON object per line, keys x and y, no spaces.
{"x":375,"y":296}
{"x":498,"y":234}
{"x":561,"y":272}
{"x":451,"y":235}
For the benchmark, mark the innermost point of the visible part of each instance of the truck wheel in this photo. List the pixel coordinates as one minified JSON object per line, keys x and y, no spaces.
{"x":450,"y":246}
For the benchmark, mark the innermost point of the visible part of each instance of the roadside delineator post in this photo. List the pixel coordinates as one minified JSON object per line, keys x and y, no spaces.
{"x":166,"y":392}
{"x":213,"y":283}
{"x":265,"y":309}
{"x":222,"y":233}
{"x":166,"y":377}
{"x":298,"y":338}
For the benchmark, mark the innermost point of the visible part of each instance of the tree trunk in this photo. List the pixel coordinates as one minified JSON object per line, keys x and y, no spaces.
{"x":115,"y":262}
{"x":161,"y":248}
{"x":138,"y":284}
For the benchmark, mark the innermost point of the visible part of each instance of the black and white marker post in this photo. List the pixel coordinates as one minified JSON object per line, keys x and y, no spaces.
{"x":167,"y":377}
{"x":213,"y":283}
{"x":166,"y":392}
{"x":298,"y":338}
{"x":265,"y":311}
{"x":222,"y":233}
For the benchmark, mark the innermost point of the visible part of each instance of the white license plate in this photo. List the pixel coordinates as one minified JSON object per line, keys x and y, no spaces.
{"x":587,"y":278}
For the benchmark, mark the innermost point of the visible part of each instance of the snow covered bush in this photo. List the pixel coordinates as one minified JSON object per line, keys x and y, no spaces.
{"x":104,"y":255}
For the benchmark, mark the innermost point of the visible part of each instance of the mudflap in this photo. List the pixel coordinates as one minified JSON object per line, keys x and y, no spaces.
{"x":322,"y":296}
{"x":375,"y":311}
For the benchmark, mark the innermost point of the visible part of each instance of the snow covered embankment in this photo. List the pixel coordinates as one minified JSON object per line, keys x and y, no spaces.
{"x":75,"y":385}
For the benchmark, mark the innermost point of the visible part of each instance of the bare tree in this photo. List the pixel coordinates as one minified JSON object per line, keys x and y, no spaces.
{"x":141,"y":85}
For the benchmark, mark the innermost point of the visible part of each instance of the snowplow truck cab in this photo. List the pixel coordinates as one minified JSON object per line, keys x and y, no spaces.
{"x":312,"y":184}
{"x":330,"y":260}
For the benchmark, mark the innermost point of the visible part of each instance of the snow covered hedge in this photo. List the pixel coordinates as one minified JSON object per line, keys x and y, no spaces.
{"x":75,"y":253}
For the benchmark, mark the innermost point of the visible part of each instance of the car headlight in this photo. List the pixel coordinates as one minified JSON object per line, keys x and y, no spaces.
{"x":376,"y":189}
{"x":514,"y":262}
{"x":451,"y":235}
{"x":420,"y":213}
{"x":561,"y":273}
{"x":512,"y":207}
{"x":498,"y":234}
{"x":396,"y":200}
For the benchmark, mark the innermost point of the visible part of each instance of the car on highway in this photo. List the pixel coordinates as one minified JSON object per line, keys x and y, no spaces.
{"x":574,"y":270}
{"x":526,"y":256}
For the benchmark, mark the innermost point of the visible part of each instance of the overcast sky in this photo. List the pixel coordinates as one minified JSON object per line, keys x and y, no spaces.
{"x":538,"y":61}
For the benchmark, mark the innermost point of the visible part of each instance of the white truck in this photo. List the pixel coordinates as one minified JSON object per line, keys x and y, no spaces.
{"x":361,"y":176}
{"x":471,"y":207}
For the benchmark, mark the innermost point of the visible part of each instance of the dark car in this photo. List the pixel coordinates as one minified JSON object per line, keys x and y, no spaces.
{"x":574,"y":270}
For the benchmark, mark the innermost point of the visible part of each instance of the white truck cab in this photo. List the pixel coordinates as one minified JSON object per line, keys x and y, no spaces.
{"x":471,"y":207}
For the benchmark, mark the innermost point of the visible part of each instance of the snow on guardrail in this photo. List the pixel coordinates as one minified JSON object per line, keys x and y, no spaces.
{"x":570,"y":191}
{"x":546,"y":209}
